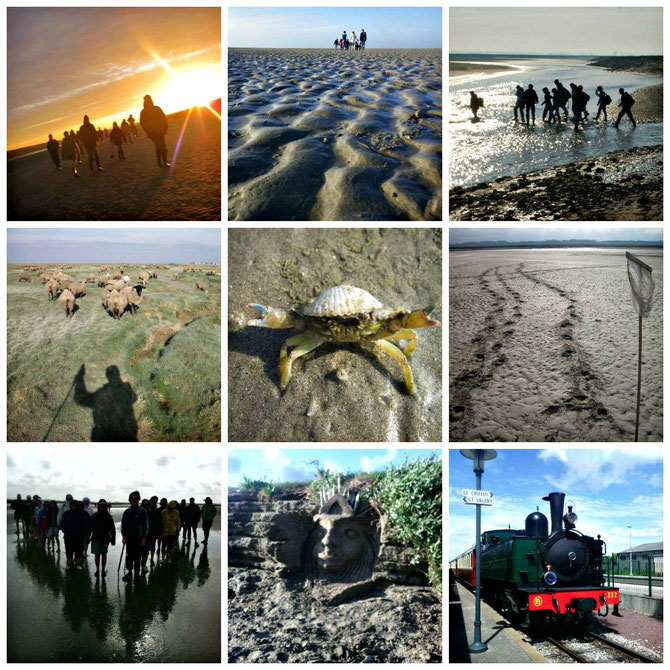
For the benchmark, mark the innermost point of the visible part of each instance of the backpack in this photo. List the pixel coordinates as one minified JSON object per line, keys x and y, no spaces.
{"x":608,"y":100}
{"x":480,"y":102}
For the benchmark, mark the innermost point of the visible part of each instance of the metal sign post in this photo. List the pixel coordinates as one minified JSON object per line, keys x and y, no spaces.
{"x":478,"y":456}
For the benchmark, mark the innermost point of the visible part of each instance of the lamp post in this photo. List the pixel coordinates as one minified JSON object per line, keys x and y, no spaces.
{"x":630,"y":550}
{"x":478,"y":457}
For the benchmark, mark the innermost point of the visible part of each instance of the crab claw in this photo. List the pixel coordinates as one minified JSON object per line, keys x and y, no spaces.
{"x":272,"y":318}
{"x":420,"y":318}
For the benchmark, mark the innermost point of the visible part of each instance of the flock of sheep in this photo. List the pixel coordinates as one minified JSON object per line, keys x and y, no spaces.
{"x":118,"y":296}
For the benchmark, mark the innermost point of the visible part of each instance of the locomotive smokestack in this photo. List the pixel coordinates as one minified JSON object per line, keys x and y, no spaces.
{"x":556,"y":501}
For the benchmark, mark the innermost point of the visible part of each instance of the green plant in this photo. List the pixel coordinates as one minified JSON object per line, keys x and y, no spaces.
{"x":327,"y":481}
{"x":254,"y":484}
{"x":411,"y":495}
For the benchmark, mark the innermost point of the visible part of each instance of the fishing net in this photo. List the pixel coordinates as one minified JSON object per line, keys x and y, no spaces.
{"x":641,"y":284}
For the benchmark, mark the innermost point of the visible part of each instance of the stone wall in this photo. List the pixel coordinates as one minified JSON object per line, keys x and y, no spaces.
{"x":269,"y":535}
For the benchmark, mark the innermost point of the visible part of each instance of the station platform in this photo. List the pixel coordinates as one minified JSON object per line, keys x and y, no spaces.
{"x":505,"y":644}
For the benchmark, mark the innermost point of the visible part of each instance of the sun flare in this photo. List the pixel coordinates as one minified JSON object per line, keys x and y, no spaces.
{"x":192,"y":88}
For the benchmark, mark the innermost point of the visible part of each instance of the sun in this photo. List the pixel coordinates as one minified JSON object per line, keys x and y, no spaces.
{"x":191,"y":88}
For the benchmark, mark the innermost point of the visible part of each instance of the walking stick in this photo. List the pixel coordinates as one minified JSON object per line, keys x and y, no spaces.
{"x":639,"y":376}
{"x":123,"y":548}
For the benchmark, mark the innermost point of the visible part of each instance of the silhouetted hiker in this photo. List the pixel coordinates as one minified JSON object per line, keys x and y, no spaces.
{"x":68,"y":151}
{"x":89,"y":137}
{"x":101,"y":136}
{"x":80,"y":148}
{"x":548,"y":104}
{"x":133,"y":127}
{"x":336,"y":43}
{"x":475,"y":104}
{"x":52,"y":148}
{"x":363,"y":37}
{"x":563,"y":96}
{"x":106,"y":134}
{"x":125,"y":130}
{"x":555,"y":107}
{"x":603,"y":101}
{"x":116,"y":140}
{"x":530,"y":99}
{"x":112,"y":405}
{"x":585,"y":99}
{"x":154,"y":122}
{"x":626,"y":105}
{"x":519,"y":103}
{"x":579,"y":100}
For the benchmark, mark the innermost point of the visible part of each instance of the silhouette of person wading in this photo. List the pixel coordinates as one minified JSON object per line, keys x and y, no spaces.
{"x":154,"y":122}
{"x":112,"y":405}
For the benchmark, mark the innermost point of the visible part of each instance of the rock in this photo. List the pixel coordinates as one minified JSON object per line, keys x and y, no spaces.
{"x":599,"y":170}
{"x":368,"y":659}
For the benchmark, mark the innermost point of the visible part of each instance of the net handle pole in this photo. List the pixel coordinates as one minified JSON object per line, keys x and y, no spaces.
{"x":639,"y":375}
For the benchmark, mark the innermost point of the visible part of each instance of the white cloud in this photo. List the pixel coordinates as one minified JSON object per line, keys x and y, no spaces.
{"x":378,"y":462}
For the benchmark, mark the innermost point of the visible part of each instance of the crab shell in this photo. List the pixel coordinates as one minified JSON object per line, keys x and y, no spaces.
{"x":344,"y":301}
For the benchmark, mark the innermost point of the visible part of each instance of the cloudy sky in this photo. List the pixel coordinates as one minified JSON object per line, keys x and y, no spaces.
{"x":611,"y":488}
{"x":282,"y":465}
{"x":317,"y":27}
{"x":64,"y":62}
{"x":461,"y":235}
{"x":113,"y":245}
{"x":598,"y":31}
{"x":112,"y":473}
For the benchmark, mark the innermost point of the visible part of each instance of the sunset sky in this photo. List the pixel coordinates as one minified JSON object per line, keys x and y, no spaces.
{"x":63,"y":63}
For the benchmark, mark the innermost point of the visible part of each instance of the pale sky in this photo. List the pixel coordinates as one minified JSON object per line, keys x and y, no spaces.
{"x":280,"y":465}
{"x":114,"y":245}
{"x":611,"y":488}
{"x":112,"y":473}
{"x":317,"y":27}
{"x":601,"y":234}
{"x":597,"y":31}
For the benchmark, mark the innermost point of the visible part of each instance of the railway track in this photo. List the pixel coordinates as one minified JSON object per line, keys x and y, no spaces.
{"x":594,"y":652}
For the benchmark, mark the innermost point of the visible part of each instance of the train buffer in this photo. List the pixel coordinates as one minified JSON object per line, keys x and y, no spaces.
{"x":505,"y":644}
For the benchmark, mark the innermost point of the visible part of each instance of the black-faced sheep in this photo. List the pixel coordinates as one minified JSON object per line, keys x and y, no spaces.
{"x":144,"y":276}
{"x":90,"y":278}
{"x":23,"y":277}
{"x":202,"y":286}
{"x":103,"y":279}
{"x":66,"y":301}
{"x":133,"y":295}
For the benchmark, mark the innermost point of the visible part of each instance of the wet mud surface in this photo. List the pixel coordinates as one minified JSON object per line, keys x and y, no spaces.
{"x":173,"y":614}
{"x":318,"y":134}
{"x":338,"y":392}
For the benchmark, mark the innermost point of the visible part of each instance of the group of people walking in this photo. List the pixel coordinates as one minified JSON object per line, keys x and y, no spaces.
{"x":556,"y":101}
{"x":149,"y":528}
{"x":88,"y":137}
{"x":351,"y":41}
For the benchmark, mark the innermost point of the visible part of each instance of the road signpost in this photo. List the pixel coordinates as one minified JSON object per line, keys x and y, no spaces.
{"x":478,"y":497}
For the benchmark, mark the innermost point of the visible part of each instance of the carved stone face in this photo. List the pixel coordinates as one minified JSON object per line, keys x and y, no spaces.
{"x":342,"y":547}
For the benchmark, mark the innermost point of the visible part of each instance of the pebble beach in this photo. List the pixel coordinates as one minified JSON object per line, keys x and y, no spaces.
{"x":323,"y":134}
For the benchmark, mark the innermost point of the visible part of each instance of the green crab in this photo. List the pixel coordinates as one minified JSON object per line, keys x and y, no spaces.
{"x":346,"y":314}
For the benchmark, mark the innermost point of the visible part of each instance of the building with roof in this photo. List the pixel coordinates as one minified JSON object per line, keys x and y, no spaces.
{"x":639,"y":555}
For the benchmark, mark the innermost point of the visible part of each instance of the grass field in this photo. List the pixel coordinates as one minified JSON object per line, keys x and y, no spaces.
{"x":153,"y":376}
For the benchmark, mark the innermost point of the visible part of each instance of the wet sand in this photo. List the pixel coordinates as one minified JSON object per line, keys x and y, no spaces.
{"x":648,"y":104}
{"x":131,"y":189}
{"x":624,"y":185}
{"x":65,"y":616}
{"x":319,"y":134}
{"x":458,"y":68}
{"x":339,"y":393}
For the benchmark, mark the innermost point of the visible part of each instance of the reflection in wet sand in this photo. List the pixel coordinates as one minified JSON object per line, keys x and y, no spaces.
{"x":170,"y":614}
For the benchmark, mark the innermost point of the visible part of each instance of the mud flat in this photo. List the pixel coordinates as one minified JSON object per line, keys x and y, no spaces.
{"x":624,"y":185}
{"x":458,"y":68}
{"x":543,"y":347}
{"x":172,"y":614}
{"x":320,"y":134}
{"x":338,"y":392}
{"x":131,"y":189}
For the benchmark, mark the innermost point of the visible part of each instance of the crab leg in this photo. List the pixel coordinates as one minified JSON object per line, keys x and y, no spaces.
{"x":395,"y":353}
{"x":303,"y":343}
{"x":405,"y":334}
{"x":272,"y":318}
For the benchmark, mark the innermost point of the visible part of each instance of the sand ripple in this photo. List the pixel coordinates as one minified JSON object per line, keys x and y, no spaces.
{"x":329,"y":135}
